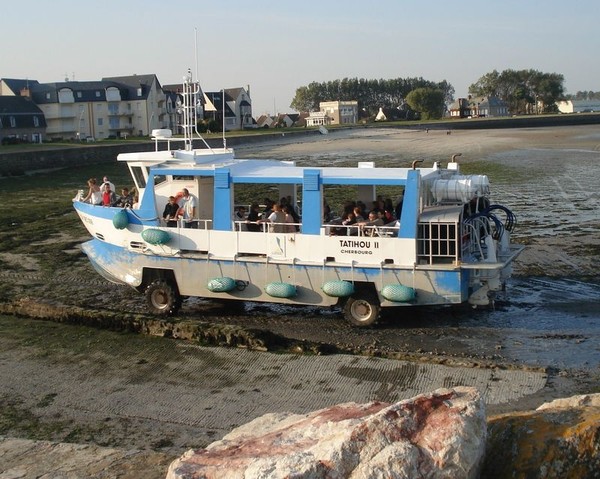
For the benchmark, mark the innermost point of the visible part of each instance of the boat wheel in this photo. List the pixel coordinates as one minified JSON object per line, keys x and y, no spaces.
{"x":162,"y":298}
{"x":362,"y":311}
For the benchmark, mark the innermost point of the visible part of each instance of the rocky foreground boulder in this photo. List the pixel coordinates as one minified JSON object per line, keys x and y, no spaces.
{"x":560,"y":439}
{"x":437,"y":435}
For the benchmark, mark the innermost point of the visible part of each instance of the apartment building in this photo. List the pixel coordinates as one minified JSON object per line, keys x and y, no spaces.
{"x":340,"y":112}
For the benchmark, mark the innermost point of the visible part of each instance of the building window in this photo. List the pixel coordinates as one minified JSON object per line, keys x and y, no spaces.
{"x":47,"y":96}
{"x":79,"y":94}
{"x":139,"y":92}
{"x":100,"y":121}
{"x":13,"y":122}
{"x":97,"y":94}
{"x":36,"y":121}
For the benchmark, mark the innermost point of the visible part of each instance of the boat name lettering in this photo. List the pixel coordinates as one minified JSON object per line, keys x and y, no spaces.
{"x":358,"y":246}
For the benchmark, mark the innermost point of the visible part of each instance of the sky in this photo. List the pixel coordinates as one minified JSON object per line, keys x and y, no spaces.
{"x":275,"y":47}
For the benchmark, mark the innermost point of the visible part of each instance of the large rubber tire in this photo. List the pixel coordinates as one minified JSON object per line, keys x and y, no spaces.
{"x":362,"y":310}
{"x":162,"y":298}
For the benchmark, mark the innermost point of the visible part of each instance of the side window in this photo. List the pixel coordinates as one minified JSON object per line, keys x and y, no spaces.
{"x":138,"y":176}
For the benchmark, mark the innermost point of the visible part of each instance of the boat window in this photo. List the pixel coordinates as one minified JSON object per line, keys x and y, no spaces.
{"x":158,"y":179}
{"x":138,"y":176}
{"x":183,"y":177}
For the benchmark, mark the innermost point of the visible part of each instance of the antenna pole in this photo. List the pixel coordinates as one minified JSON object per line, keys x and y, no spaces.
{"x":196,"y":52}
{"x":224,"y":140}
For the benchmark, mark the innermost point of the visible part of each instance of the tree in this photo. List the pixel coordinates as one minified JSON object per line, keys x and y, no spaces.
{"x":370,"y":94}
{"x":525,"y":91}
{"x":427,"y":101}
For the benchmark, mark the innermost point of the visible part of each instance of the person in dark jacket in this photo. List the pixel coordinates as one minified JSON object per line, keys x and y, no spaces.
{"x":170,"y":212}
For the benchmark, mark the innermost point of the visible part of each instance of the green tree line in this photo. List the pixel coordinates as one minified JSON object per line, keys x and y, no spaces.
{"x":370,"y":94}
{"x":584,"y":95}
{"x":524,"y":91}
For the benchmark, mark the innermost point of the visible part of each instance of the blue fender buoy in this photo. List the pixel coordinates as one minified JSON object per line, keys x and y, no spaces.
{"x":338,"y":288}
{"x":281,"y":290}
{"x":398,"y":293}
{"x":221,"y":285}
{"x":120,"y":220}
{"x":155,"y":236}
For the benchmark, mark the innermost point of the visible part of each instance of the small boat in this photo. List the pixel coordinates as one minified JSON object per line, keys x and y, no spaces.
{"x":450,"y":245}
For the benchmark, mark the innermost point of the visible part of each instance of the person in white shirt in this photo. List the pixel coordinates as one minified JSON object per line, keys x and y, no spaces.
{"x":190,"y":207}
{"x":106,"y":181}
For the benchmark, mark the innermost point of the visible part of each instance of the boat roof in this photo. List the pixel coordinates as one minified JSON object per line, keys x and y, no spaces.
{"x":206,"y":162}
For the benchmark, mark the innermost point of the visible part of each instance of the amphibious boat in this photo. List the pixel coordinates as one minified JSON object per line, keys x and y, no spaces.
{"x":449,"y":245}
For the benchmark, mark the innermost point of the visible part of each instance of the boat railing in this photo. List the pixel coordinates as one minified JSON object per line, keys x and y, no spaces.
{"x":267,"y":226}
{"x":198,"y":224}
{"x":357,"y":229}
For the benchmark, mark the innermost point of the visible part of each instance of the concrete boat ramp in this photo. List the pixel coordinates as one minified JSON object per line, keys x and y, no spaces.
{"x":170,"y":396}
{"x":212,"y":390}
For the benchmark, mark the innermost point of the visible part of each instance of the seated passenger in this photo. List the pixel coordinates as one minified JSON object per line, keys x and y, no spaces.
{"x":125,"y":200}
{"x":170,"y":212}
{"x":358,"y":214}
{"x":108,"y":196}
{"x":369,"y":227}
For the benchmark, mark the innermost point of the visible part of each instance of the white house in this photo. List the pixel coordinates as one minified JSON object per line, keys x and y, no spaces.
{"x":578,"y":106}
{"x":317,"y":118}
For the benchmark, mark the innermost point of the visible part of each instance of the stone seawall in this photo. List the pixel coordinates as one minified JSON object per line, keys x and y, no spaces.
{"x":16,"y":163}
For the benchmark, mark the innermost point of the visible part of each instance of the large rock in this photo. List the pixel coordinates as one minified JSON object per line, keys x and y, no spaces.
{"x":436,"y":435}
{"x":560,"y":439}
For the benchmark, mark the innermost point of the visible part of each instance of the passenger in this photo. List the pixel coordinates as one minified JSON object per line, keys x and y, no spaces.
{"x":109,"y":197}
{"x":375,"y":206}
{"x":268,"y":208}
{"x":170,"y":212}
{"x":388,"y":216}
{"x":125,"y":200}
{"x":105,"y":181}
{"x":398,"y":209}
{"x":189,"y":209}
{"x":253,"y":217}
{"x":293,"y":210}
{"x":136,"y":202}
{"x":239,"y":217}
{"x":290,"y":227}
{"x":327,"y":214}
{"x":348,"y":207}
{"x":358,"y":214}
{"x":368,"y":228}
{"x":276,"y":220}
{"x":350,"y":220}
{"x":94,"y":195}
